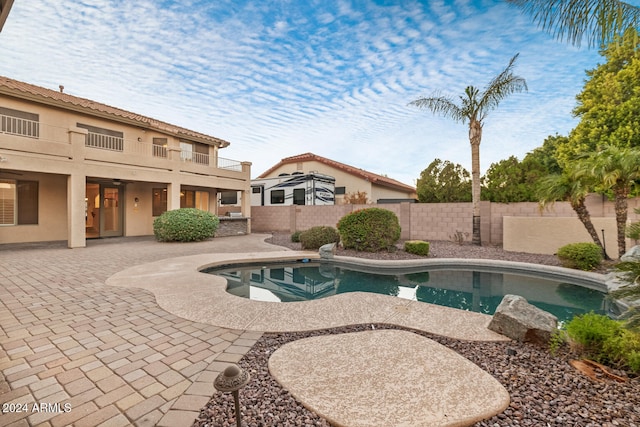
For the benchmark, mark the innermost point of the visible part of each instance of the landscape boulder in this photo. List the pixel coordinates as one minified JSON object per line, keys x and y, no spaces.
{"x":328,"y":251}
{"x":632,"y":254}
{"x":521,"y":321}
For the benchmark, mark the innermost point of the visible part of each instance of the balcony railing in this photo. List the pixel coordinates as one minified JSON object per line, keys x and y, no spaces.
{"x":228,"y":164}
{"x":104,"y":142}
{"x":192,"y":156}
{"x":21,"y":127}
{"x":159,"y":150}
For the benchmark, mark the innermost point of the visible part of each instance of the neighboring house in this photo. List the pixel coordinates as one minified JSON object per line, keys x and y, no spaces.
{"x":72,"y":168}
{"x":349,"y":179}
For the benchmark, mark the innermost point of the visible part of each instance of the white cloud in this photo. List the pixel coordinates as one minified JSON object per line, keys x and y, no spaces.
{"x":283,"y":78}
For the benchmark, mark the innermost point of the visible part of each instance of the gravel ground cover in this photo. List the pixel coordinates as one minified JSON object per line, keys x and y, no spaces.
{"x":545,"y":389}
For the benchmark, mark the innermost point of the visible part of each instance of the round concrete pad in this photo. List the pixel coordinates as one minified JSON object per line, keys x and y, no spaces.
{"x":386,"y":378}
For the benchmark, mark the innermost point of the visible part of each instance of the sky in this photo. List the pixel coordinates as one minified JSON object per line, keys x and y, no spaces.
{"x":278,"y":78}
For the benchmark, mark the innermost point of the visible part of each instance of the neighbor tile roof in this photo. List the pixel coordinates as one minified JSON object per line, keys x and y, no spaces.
{"x":361,"y":173}
{"x":29,"y":92}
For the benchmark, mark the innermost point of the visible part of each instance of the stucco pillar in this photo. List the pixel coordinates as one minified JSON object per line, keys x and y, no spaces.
{"x":405,"y":221}
{"x":245,"y":203}
{"x":76,"y":193}
{"x":173,"y":196}
{"x":245,"y":206}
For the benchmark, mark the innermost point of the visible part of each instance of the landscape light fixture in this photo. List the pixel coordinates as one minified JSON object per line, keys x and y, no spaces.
{"x":232,"y":379}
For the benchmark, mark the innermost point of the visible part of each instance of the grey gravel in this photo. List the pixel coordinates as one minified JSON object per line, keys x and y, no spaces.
{"x":545,"y":389}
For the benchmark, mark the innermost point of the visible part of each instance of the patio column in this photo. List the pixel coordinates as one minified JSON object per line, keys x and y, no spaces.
{"x":76,"y":210}
{"x":77,"y":191}
{"x":173,"y":196}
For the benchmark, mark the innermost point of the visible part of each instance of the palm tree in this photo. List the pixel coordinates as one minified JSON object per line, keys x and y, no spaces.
{"x":600,"y":21}
{"x":473,"y":108}
{"x":572,"y":186}
{"x":616,"y":169}
{"x":630,"y":274}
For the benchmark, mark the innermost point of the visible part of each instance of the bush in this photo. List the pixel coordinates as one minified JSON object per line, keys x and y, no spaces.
{"x":185,"y":225}
{"x":583,"y":256}
{"x":417,"y":247}
{"x":370,"y":230}
{"x":315,"y":237}
{"x":605,"y":340}
{"x":295,"y":237}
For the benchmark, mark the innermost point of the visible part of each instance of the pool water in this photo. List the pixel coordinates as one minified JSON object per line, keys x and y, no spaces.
{"x":478,"y":291}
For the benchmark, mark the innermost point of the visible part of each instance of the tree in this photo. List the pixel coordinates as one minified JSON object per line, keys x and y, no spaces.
{"x":473,"y":108}
{"x":609,"y":104}
{"x":600,"y":21}
{"x":511,"y":180}
{"x":544,"y":158}
{"x":630,"y":290}
{"x":572,"y":185}
{"x":444,"y":182}
{"x":616,"y":169}
{"x":356,"y":198}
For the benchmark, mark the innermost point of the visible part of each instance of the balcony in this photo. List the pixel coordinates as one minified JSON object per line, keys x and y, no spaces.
{"x":20,"y":127}
{"x":140,"y":153}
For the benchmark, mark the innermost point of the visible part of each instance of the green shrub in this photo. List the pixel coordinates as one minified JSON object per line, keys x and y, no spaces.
{"x":295,"y":237}
{"x":370,"y":230}
{"x":185,"y":225}
{"x":583,"y":256}
{"x":417,"y":247}
{"x":315,"y":237}
{"x":605,"y":340}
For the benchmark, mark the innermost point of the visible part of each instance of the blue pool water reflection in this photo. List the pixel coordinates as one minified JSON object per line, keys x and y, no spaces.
{"x":478,"y":291}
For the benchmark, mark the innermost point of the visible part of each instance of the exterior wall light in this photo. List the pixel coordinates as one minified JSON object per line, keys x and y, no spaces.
{"x":232,"y":379}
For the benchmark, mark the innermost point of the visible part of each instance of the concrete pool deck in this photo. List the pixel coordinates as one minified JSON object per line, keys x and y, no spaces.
{"x":121,"y":355}
{"x":182,"y":289}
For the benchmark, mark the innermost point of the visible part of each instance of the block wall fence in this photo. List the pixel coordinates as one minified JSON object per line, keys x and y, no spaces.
{"x":435,"y":221}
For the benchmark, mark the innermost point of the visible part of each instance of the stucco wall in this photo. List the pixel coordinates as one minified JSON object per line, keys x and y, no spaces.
{"x":52,"y":211}
{"x":546,"y":235}
{"x":517,"y":226}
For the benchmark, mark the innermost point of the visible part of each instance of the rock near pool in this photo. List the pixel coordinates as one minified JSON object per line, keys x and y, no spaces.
{"x":521,"y":321}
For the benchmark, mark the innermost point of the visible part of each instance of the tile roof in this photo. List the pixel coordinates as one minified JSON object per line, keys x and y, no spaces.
{"x":361,"y":173}
{"x":63,"y":100}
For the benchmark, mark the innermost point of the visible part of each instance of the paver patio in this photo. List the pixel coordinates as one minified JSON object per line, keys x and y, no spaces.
{"x":76,"y":351}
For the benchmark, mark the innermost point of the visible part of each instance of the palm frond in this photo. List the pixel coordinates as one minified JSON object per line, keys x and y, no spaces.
{"x":597,"y":21}
{"x":442,"y":105}
{"x":503,"y":85}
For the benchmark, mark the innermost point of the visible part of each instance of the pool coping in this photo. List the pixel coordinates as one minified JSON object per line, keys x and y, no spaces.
{"x":182,"y":289}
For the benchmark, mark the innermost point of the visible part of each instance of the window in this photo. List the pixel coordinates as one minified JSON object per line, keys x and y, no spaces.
{"x":298,"y":196}
{"x":194,"y":152}
{"x":186,"y":151}
{"x":159,"y":201}
{"x":15,"y":122}
{"x":229,"y":198}
{"x":104,"y":139}
{"x":194,"y":199}
{"x":7,"y":202}
{"x":340,"y":190}
{"x":277,"y":197}
{"x":256,"y":190}
{"x":160,"y":147}
{"x":18,"y":202}
{"x":27,"y":202}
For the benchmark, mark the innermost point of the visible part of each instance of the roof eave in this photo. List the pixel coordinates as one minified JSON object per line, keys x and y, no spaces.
{"x":27,"y":96}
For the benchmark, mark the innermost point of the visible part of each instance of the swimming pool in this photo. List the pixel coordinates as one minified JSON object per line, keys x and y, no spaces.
{"x":478,"y":290}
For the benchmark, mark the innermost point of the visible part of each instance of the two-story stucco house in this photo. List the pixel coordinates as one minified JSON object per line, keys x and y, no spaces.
{"x":72,"y":168}
{"x":349,"y":179}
